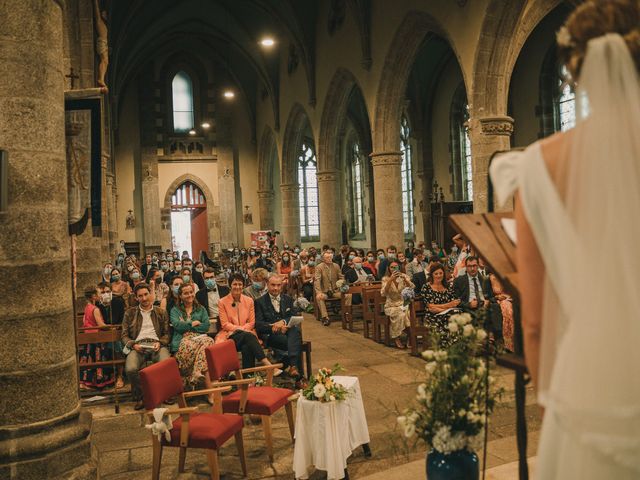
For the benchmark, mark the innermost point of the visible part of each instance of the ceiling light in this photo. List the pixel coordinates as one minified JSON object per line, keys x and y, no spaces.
{"x":205,"y":125}
{"x":267,"y":42}
{"x":192,"y":132}
{"x":229,"y":94}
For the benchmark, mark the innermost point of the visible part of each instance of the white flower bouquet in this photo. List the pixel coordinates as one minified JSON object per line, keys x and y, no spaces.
{"x":323,"y":388}
{"x":452,"y":404}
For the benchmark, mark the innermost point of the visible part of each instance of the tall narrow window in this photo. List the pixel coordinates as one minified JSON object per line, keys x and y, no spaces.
{"x":460,"y":146}
{"x":308,"y":195}
{"x":566,"y":102}
{"x":182,"y":91}
{"x":357,"y":193}
{"x":406,"y":176}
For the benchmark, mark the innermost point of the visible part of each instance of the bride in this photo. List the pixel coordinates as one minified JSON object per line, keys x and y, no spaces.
{"x":581,"y":318}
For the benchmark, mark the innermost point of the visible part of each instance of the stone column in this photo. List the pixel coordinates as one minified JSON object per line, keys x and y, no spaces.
{"x":112,"y":192}
{"x":330,"y":209}
{"x":150,"y":199}
{"x":388,"y":198}
{"x":226,"y":182}
{"x":488,"y":135}
{"x":265,"y":205}
{"x":291,"y":213}
{"x":424,"y":204}
{"x":40,"y":432}
{"x":106,"y":252}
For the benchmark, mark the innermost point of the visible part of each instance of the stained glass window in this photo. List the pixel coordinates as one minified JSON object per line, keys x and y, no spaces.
{"x":406,"y":176}
{"x":182,"y":91}
{"x":566,"y":103}
{"x":308,"y":193}
{"x":466,"y":152}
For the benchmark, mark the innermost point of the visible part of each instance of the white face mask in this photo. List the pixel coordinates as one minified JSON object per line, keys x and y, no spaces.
{"x":106,"y":298}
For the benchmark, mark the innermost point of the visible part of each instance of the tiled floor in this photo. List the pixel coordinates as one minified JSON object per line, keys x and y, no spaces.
{"x":388,"y":378}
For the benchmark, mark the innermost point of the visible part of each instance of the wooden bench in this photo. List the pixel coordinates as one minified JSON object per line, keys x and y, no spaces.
{"x":109,"y":334}
{"x":381,"y":323}
{"x":368,"y":304}
{"x":417,"y":326}
{"x":347,"y":310}
{"x":330,"y":303}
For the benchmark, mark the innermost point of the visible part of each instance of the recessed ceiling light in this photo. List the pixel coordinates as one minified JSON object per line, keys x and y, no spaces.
{"x":267,"y":42}
{"x":229,"y":94}
{"x":192,"y":132}
{"x":205,"y":125}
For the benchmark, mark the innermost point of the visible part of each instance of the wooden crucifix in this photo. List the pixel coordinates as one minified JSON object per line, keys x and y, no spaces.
{"x":72,"y":76}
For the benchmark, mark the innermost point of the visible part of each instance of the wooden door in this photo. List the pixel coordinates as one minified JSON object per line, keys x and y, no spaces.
{"x":199,"y":232}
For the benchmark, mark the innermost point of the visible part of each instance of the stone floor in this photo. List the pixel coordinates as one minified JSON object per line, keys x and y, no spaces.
{"x":388,"y":378}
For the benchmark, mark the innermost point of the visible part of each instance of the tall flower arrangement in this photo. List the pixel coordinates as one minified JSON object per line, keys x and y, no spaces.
{"x":453,"y":403}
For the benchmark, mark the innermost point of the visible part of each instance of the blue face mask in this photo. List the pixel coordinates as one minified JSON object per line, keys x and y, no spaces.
{"x":115,"y":278}
{"x":210,"y":283}
{"x":258,"y":285}
{"x":186,"y":278}
{"x":175,"y":289}
{"x":312,"y":263}
{"x":358,"y":266}
{"x":135,"y":275}
{"x":351,"y":257}
{"x":296,"y":250}
{"x":381,"y":256}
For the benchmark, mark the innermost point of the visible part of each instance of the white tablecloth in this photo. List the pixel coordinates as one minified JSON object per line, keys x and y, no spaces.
{"x":327,"y":433}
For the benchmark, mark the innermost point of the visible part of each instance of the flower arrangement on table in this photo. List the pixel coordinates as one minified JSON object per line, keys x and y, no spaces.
{"x":323,"y":388}
{"x":453,"y":403}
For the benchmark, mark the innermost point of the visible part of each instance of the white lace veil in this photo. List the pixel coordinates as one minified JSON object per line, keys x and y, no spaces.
{"x":590,"y":348}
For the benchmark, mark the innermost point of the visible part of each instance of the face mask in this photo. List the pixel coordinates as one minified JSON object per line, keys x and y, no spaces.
{"x":454,"y":249}
{"x":312,"y":263}
{"x":392,"y":256}
{"x":264,"y":255}
{"x":170,"y":258}
{"x":243,"y":252}
{"x":236,"y":251}
{"x":210,"y":283}
{"x":187,"y":266}
{"x":177,"y":267}
{"x":107,"y":270}
{"x":434,"y":246}
{"x":285,"y":259}
{"x":381,"y":256}
{"x":351,"y":257}
{"x":120,"y":258}
{"x":164,"y":267}
{"x":135,"y":275}
{"x":199,"y":269}
{"x":130,"y":268}
{"x":286,"y":247}
{"x":358,"y":266}
{"x":155,"y":259}
{"x":252,"y":253}
{"x":296,"y":250}
{"x":115,"y":278}
{"x":258,"y":285}
{"x":370,"y":259}
{"x":106,"y":298}
{"x":186,"y":278}
{"x":175,"y":289}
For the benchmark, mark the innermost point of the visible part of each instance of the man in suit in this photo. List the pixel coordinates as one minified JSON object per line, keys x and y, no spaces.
{"x":209,"y":297}
{"x":324,"y":285}
{"x":273,"y":313}
{"x":475,"y":294}
{"x":357,"y":274}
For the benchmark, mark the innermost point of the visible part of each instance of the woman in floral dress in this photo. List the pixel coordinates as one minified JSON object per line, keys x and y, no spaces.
{"x":439,"y":298}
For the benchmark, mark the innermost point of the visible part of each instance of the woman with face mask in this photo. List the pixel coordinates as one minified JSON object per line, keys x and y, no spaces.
{"x":307,"y":275}
{"x":187,"y":277}
{"x":284,"y":268}
{"x":106,"y":272}
{"x":369,"y":261}
{"x":393,"y":283}
{"x":119,"y":287}
{"x":258,"y":284}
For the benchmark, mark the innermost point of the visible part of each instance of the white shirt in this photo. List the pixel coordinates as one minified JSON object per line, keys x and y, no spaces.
{"x":147,"y":330}
{"x":275,"y":301}
{"x":213,"y":297}
{"x":473,"y":295}
{"x":362,"y":275}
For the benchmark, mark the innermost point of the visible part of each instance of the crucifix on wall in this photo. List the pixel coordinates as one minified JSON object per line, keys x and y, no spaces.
{"x":72,"y":77}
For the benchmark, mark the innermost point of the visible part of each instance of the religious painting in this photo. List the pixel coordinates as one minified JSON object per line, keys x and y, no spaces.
{"x":84,"y":163}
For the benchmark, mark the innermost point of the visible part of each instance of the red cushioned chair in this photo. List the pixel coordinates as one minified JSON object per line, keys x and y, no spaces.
{"x":222,"y":359}
{"x":210,"y":431}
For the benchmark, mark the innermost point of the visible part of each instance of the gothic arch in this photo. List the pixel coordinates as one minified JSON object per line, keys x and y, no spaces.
{"x":293,"y":133}
{"x":395,"y":74}
{"x":265,"y":160}
{"x":505,"y":29}
{"x":193,"y":179}
{"x":334,"y":115}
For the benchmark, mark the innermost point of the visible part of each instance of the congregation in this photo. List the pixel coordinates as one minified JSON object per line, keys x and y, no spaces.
{"x":170,"y":305}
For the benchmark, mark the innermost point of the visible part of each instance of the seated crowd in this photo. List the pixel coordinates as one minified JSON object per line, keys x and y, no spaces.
{"x":169,"y":305}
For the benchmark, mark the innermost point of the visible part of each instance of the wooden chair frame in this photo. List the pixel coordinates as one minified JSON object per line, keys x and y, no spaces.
{"x":347,"y":310}
{"x":417,"y":327}
{"x":368,"y":305}
{"x":185,"y":413}
{"x":381,"y":323}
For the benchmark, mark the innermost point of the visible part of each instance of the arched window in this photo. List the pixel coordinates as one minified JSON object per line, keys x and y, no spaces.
{"x":182,"y":91}
{"x":357,"y":190}
{"x":565,"y":104}
{"x":308,"y":194}
{"x":461,"y":163}
{"x":406,"y":176}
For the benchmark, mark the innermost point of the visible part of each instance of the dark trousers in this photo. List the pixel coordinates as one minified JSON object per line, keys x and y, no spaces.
{"x":247,"y":344}
{"x":134,"y":362}
{"x":290,"y":342}
{"x":307,"y":291}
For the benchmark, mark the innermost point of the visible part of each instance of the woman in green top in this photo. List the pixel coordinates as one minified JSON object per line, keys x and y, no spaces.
{"x":190,"y":322}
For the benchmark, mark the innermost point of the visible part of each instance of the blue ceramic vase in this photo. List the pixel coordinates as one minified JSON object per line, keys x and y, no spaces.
{"x":459,"y":465}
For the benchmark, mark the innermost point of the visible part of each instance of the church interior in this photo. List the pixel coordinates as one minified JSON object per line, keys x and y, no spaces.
{"x":212,"y":130}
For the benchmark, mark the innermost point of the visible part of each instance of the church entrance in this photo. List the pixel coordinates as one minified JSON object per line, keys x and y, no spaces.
{"x":189,"y":229}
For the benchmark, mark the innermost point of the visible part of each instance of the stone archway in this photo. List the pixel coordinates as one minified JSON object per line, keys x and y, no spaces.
{"x":213,"y":210}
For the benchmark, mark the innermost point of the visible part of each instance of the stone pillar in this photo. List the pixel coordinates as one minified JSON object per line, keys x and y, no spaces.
{"x":424,"y":203}
{"x":488,"y":135}
{"x":330,"y":209}
{"x":106,"y":252}
{"x":291,"y":213}
{"x":226,"y":182}
{"x":150,"y":199}
{"x":41,"y":436}
{"x":265,"y":205}
{"x":112,"y":219}
{"x":388,"y":198}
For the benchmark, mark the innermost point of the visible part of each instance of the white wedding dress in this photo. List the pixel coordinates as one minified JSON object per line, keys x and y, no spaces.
{"x":590,"y":346}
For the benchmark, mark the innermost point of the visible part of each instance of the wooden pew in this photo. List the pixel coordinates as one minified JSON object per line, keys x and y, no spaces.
{"x":347,"y":310}
{"x":368,"y":305}
{"x":381,"y":324}
{"x":109,"y":334}
{"x":417,"y":328}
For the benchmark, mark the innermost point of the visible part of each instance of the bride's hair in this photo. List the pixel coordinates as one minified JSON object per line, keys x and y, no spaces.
{"x":595,"y":18}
